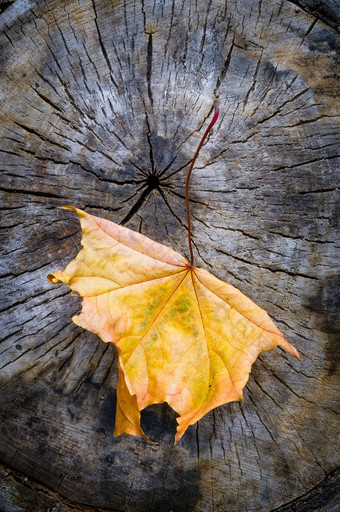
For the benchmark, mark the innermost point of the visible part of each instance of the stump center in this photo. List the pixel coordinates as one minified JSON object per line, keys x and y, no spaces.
{"x":152,"y":181}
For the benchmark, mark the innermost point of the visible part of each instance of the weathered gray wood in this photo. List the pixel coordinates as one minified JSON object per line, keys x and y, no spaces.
{"x":103,"y":105}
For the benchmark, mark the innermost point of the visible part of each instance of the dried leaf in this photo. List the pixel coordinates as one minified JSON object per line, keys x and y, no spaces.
{"x":183,"y":336}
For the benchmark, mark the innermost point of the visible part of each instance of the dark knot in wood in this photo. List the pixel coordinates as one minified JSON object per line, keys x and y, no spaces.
{"x":153,"y":182}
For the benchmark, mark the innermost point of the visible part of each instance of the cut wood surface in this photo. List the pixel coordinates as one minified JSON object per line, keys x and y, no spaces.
{"x":103,"y":104}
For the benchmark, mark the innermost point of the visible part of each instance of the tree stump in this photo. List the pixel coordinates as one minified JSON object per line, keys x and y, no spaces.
{"x":103,"y":105}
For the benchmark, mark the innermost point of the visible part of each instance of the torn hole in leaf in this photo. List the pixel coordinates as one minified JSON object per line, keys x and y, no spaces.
{"x":158,"y":422}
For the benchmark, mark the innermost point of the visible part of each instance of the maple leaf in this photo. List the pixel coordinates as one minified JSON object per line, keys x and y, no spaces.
{"x":183,"y":336}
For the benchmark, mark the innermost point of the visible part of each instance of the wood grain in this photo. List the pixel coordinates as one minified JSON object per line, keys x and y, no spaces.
{"x":103,"y":104}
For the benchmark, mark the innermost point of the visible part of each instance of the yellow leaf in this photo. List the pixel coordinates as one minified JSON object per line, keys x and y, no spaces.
{"x":183,"y":336}
{"x":127,"y":412}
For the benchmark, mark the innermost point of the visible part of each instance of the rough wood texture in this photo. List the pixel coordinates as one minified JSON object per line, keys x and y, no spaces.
{"x":103,"y":105}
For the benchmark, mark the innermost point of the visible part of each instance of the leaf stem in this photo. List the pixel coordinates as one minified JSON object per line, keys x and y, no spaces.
{"x":214,"y":119}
